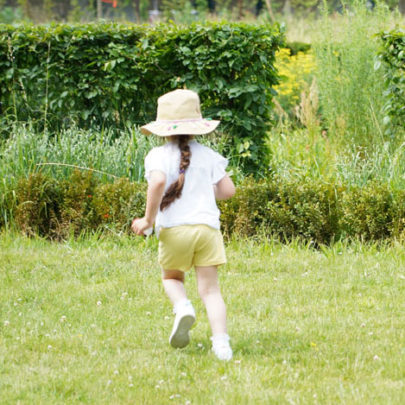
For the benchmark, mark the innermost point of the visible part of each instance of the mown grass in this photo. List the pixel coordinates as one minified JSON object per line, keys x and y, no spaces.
{"x":87,"y":321}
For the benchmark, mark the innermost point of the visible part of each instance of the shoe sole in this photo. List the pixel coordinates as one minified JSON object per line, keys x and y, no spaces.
{"x":180,"y":337}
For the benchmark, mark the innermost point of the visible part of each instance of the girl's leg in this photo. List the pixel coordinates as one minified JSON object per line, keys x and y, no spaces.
{"x":210,"y":293}
{"x":173,"y":283}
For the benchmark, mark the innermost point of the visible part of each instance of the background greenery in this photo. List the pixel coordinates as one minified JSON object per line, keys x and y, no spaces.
{"x":111,"y":76}
{"x":333,"y":164}
{"x":185,"y":11}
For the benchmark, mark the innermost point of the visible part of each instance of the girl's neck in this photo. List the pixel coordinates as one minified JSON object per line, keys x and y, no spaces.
{"x":175,"y":138}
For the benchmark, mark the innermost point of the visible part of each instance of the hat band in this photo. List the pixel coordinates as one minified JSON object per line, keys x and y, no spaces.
{"x":182,"y":120}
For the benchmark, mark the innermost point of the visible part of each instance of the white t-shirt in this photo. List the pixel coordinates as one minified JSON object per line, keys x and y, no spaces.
{"x":197,"y":204}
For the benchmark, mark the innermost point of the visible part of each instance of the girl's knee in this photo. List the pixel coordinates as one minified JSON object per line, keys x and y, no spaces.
{"x":207,"y":281}
{"x":173,"y":275}
{"x":205,"y":290}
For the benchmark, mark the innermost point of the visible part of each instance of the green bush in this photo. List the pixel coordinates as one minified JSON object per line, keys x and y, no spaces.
{"x":372,"y":212}
{"x":78,"y":204}
{"x":315,"y":211}
{"x":111,"y":75}
{"x":392,"y":54}
{"x":37,"y":205}
{"x":300,"y":208}
{"x":77,"y":212}
{"x":398,"y":223}
{"x":305,"y":209}
{"x":117,"y":203}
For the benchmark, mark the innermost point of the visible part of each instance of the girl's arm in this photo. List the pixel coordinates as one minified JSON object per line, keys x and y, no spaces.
{"x":156,"y":188}
{"x":224,"y":189}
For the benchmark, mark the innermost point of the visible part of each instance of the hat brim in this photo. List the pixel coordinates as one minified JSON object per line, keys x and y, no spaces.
{"x":195,"y":127}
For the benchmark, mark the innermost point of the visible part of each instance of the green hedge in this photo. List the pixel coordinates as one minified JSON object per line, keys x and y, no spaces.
{"x":112,"y":75}
{"x":320,"y":212}
{"x":284,"y":209}
{"x":43,"y":206}
{"x":393,"y":55}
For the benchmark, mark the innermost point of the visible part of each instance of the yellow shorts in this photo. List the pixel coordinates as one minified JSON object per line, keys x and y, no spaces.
{"x":185,"y":246}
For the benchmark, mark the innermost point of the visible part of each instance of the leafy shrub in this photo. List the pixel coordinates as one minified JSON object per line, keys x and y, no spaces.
{"x":393,"y":55}
{"x":118,"y":203}
{"x":398,"y":223}
{"x":38,"y":201}
{"x":307,"y":209}
{"x":303,"y":208}
{"x":320,"y":212}
{"x":372,"y":212}
{"x":79,"y":204}
{"x":284,"y":209}
{"x":112,"y":75}
{"x":77,"y":211}
{"x":246,"y":211}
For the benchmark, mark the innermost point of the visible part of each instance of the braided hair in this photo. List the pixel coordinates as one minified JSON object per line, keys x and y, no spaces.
{"x":175,"y":189}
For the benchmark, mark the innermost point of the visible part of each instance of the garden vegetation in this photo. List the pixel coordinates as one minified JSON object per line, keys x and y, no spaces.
{"x":313,"y":131}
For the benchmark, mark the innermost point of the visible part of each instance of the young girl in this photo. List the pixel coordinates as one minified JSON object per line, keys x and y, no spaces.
{"x":184,"y":180}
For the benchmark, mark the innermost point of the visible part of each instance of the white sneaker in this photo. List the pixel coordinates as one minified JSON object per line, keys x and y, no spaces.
{"x":221,"y":347}
{"x":185,"y":317}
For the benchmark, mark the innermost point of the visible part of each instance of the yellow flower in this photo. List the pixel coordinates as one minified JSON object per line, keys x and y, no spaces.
{"x":295,"y":72}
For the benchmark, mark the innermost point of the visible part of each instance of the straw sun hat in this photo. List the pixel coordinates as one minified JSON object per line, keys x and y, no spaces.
{"x":179,"y":113}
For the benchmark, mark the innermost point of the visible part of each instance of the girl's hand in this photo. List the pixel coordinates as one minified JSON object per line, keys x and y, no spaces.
{"x":141,"y":226}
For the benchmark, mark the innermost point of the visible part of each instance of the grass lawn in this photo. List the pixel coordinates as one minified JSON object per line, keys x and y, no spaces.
{"x":88,"y":322}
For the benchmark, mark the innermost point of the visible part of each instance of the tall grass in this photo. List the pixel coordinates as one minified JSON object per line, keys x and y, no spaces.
{"x":120,"y":155}
{"x":295,"y":153}
{"x":105,"y":152}
{"x":302,"y":153}
{"x":342,"y":137}
{"x":109,"y":152}
{"x":350,"y":89}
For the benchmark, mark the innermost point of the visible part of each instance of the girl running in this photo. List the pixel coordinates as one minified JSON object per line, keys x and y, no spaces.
{"x":185,"y":179}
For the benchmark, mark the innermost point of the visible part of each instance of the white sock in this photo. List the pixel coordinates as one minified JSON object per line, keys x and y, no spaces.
{"x":221,"y":347}
{"x":183,"y":302}
{"x":220,"y":337}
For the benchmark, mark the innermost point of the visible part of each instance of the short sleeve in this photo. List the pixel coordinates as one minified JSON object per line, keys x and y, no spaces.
{"x":154,"y":161}
{"x":218,"y":167}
